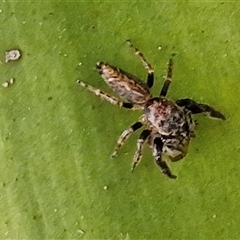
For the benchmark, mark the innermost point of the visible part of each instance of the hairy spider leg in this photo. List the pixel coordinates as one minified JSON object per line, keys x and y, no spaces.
{"x":125,"y":135}
{"x":157,"y":154}
{"x":140,"y":142}
{"x":195,"y":108}
{"x":109,"y":98}
{"x":146,"y":64}
{"x":178,"y":157}
{"x":168,"y":79}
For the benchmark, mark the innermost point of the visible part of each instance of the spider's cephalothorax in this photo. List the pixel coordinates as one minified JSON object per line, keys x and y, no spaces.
{"x":169,"y":124}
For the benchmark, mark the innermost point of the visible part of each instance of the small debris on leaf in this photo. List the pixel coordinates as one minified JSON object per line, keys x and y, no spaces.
{"x":12,"y":55}
{"x":80,"y":231}
{"x":7,"y":84}
{"x":11,"y":81}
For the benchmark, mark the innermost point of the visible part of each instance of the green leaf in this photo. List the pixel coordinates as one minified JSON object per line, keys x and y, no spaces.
{"x":57,"y":179}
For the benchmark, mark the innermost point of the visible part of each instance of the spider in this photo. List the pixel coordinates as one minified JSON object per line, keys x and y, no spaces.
{"x":169,"y":124}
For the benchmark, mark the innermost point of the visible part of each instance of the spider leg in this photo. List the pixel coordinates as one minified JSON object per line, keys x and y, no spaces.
{"x":125,"y":135}
{"x":168,"y":79}
{"x":157,"y":154}
{"x":178,"y":157}
{"x":109,"y":98}
{"x":146,"y":64}
{"x":138,"y":154}
{"x":195,"y":108}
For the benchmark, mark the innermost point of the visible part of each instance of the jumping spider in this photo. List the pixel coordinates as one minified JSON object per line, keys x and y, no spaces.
{"x":169,"y":124}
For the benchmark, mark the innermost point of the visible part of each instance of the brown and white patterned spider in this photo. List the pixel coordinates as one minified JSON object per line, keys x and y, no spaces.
{"x":169,"y":124}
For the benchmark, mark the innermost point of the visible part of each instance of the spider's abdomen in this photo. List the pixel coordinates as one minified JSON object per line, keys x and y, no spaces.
{"x":126,"y":85}
{"x":168,"y":118}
